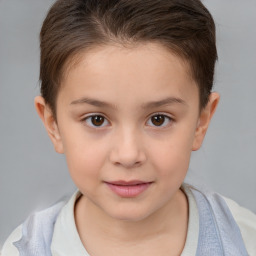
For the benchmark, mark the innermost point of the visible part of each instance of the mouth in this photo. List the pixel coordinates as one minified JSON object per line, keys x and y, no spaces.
{"x":128,"y":189}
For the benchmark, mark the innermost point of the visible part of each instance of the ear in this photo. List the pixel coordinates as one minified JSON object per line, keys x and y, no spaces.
{"x":204,"y":120}
{"x":45,"y":113}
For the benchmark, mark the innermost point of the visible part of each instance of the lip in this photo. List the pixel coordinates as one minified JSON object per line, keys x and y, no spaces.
{"x":128,"y":189}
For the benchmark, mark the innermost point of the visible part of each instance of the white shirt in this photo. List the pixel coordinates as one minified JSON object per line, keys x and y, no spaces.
{"x":66,"y":240}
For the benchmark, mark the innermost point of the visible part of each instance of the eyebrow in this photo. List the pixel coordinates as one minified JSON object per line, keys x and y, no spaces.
{"x":149,"y":105}
{"x":93,"y":102}
{"x":164,"y":102}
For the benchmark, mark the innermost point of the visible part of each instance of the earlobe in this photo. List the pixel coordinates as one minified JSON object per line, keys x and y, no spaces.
{"x":204,"y":120}
{"x":45,"y":113}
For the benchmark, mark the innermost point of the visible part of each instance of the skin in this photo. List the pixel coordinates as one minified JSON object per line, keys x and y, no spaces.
{"x":129,"y":146}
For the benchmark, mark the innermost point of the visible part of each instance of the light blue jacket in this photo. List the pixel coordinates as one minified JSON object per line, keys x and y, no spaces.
{"x":219,"y":235}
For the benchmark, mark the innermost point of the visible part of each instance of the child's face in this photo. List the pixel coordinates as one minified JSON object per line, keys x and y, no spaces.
{"x":128,"y":119}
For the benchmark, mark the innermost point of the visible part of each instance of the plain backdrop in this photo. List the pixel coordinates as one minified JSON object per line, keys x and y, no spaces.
{"x":33,"y":176}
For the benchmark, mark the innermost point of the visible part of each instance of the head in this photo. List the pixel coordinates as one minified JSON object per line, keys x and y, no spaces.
{"x":126,"y":96}
{"x":186,"y":28}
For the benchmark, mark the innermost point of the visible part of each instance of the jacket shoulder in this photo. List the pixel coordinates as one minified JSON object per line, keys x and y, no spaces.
{"x":8,"y":247}
{"x":246,"y":220}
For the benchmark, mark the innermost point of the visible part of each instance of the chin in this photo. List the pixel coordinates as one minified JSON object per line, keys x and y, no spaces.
{"x":130,"y":214}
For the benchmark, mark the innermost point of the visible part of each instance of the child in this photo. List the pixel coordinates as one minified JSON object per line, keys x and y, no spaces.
{"x":126,"y":96}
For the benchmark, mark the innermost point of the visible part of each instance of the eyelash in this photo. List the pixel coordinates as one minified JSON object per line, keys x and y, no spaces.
{"x":166,"y":119}
{"x":88,"y":120}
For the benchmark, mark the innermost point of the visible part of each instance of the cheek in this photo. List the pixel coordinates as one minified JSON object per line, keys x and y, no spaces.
{"x":172,"y":162}
{"x":171,"y":157}
{"x":85,"y":161}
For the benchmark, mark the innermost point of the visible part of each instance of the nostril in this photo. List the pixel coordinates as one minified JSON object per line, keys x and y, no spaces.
{"x":128,"y":165}
{"x":127,"y":162}
{"x":137,"y":163}
{"x":127,"y":153}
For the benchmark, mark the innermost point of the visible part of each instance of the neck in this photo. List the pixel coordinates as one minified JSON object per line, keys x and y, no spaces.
{"x":170,"y":220}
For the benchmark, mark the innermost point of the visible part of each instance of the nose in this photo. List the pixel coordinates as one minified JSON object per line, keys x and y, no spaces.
{"x":128,"y":150}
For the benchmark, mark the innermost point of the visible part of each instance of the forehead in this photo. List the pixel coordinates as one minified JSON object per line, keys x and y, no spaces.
{"x":144,"y":50}
{"x":147,"y":69}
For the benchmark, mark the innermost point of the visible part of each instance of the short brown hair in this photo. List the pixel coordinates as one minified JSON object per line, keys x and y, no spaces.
{"x":71,"y":26}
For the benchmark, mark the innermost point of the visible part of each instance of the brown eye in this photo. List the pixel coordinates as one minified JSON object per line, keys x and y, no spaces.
{"x":159,"y":120}
{"x":96,"y":121}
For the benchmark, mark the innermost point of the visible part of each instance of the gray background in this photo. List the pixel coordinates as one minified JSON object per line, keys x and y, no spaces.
{"x":33,"y":176}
